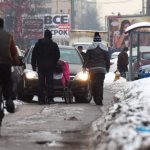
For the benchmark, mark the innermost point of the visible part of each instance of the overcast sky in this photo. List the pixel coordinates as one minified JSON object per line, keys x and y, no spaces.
{"x":125,"y":7}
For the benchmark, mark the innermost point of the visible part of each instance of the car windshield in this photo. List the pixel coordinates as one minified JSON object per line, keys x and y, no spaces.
{"x":69,"y":55}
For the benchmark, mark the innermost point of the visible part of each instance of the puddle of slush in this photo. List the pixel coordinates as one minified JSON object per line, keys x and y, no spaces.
{"x":70,"y":140}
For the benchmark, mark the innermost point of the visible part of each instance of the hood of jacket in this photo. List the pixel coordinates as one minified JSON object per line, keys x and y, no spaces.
{"x":100,"y":44}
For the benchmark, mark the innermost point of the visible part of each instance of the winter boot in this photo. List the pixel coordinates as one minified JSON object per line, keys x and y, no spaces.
{"x":10,"y":106}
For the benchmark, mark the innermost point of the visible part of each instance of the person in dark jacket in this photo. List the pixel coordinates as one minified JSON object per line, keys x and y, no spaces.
{"x":122,"y":63}
{"x":8,"y":57}
{"x":97,"y":60}
{"x":45,"y":56}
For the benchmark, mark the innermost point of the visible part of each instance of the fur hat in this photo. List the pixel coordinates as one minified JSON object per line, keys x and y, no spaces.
{"x":97,"y":37}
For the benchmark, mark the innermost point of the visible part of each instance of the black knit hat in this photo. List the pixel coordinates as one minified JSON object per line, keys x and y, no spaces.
{"x":48,"y":33}
{"x":97,"y":37}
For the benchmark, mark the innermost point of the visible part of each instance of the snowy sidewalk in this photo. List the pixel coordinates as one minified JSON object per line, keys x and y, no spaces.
{"x":126,"y":126}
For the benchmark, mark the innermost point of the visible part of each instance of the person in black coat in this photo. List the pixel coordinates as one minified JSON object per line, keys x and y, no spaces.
{"x":97,"y":60}
{"x":44,"y":57}
{"x":122,"y":63}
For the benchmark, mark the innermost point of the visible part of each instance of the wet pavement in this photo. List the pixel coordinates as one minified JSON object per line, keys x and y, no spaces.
{"x":55,"y":127}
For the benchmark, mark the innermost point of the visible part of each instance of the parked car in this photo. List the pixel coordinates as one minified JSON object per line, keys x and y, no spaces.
{"x":114,"y":59}
{"x":79,"y":81}
{"x":114,"y":55}
{"x":144,"y":59}
{"x":144,"y":71}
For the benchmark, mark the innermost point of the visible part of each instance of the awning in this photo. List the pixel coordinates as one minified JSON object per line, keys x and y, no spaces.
{"x":137,"y":25}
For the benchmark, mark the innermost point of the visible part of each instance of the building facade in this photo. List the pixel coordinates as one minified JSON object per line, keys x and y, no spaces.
{"x":23,"y":20}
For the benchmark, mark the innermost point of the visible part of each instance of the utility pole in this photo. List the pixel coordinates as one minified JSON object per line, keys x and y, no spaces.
{"x":143,"y":7}
{"x":148,"y":8}
{"x":72,"y":14}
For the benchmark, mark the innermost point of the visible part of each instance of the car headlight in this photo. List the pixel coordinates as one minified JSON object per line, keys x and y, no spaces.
{"x":82,"y":75}
{"x":29,"y":74}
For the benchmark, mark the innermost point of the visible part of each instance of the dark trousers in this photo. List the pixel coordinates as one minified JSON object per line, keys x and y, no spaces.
{"x":5,"y":81}
{"x":97,"y":86}
{"x":45,"y":84}
{"x":123,"y":71}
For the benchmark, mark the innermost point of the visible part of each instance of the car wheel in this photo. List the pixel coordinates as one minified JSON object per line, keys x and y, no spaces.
{"x":84,"y":99}
{"x":21,"y":95}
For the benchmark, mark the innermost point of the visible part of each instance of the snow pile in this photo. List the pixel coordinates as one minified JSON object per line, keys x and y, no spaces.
{"x":126,"y":126}
{"x":112,"y":85}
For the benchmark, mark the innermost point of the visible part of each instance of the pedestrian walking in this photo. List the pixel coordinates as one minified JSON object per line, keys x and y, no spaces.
{"x":44,"y":57}
{"x":8,"y":57}
{"x":122,"y":63}
{"x":97,"y":60}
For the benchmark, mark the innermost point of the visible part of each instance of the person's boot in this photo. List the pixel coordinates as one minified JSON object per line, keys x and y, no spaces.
{"x":10,"y":106}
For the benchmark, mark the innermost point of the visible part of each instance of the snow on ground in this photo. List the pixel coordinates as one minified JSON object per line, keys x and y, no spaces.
{"x":126,"y":125}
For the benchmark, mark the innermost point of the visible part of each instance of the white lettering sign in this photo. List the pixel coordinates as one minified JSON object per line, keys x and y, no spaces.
{"x":59,"y":24}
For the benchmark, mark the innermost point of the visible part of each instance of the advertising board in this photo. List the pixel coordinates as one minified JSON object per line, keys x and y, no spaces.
{"x":34,"y":27}
{"x":118,"y":24}
{"x":59,"y":24}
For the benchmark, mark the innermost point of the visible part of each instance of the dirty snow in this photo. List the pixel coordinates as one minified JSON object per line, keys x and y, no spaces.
{"x":126,"y":125}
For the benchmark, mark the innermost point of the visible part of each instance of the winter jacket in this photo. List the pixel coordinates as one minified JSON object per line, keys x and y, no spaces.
{"x":97,"y":58}
{"x":8,"y":51}
{"x":45,"y":54}
{"x":122,"y":62}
